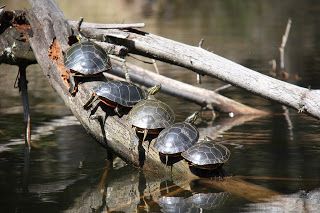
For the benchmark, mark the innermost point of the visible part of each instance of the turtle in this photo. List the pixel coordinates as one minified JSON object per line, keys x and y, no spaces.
{"x":151,"y":115}
{"x":177,"y":138}
{"x":85,"y":59}
{"x":206,"y":154}
{"x":117,"y":95}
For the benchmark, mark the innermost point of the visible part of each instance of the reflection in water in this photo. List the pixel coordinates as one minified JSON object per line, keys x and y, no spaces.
{"x":174,"y":204}
{"x":298,"y":202}
{"x":45,"y":129}
{"x":188,"y":201}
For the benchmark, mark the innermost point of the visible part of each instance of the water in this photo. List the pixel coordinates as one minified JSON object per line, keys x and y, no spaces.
{"x":67,"y":168}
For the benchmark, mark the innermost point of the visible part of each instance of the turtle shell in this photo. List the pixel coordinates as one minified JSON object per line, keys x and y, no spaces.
{"x":151,"y":114}
{"x":177,"y":138}
{"x":87,"y":58}
{"x":207,"y":153}
{"x":121,"y":92}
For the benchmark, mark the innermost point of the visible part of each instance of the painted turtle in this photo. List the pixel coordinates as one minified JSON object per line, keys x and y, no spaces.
{"x":151,"y":115}
{"x":85,"y":58}
{"x":207,"y":154}
{"x":177,"y":138}
{"x":116,"y":94}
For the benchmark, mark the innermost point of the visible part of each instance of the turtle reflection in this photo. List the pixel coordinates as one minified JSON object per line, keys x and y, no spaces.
{"x":208,"y":200}
{"x":176,"y":199}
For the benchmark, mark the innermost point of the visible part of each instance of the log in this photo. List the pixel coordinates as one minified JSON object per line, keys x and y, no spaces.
{"x":22,"y":54}
{"x":208,"y":63}
{"x":47,"y":42}
{"x":200,"y":96}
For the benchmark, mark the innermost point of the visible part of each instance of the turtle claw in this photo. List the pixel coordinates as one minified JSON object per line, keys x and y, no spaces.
{"x":117,"y":111}
{"x":145,"y":132}
{"x":72,"y":88}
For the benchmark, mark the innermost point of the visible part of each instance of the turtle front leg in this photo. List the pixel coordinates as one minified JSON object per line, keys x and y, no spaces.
{"x":117,"y":110}
{"x":72,"y":83}
{"x":91,"y":100}
{"x":145,"y":132}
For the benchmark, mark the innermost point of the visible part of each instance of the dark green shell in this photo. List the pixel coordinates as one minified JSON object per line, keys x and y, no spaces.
{"x":207,"y":153}
{"x":121,"y":92}
{"x":177,"y":138}
{"x":151,"y":114}
{"x":87,"y":58}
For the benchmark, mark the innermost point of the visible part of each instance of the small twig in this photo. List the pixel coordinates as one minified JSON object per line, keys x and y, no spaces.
{"x":110,"y":26}
{"x":289,"y":122}
{"x":155,"y":66}
{"x":201,"y":42}
{"x":138,"y":59}
{"x":23,"y":87}
{"x":282,"y":66}
{"x":284,"y":42}
{"x":79,"y":24}
{"x":198,"y":75}
{"x":222,"y":88}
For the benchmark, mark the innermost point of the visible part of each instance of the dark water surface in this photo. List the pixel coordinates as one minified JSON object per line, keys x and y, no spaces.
{"x":67,"y":167}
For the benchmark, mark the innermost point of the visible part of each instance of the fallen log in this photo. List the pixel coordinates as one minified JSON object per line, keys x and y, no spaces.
{"x":47,"y":43}
{"x":17,"y":51}
{"x":208,"y":63}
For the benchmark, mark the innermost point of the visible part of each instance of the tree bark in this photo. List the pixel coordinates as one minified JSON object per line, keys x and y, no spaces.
{"x":207,"y":63}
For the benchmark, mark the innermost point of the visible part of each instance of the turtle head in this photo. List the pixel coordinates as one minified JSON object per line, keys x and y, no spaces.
{"x":153,"y":90}
{"x":192,"y":118}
